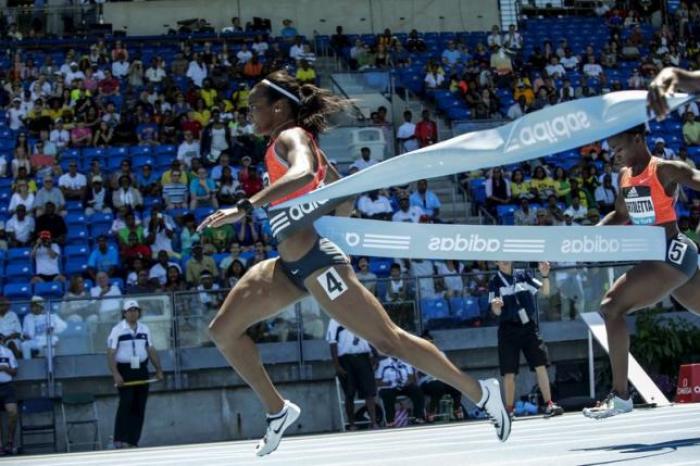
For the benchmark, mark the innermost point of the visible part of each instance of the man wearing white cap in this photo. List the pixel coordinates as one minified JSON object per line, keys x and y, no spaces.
{"x":73,"y":74}
{"x":38,"y":326}
{"x":16,"y":114}
{"x":660,"y":149}
{"x":129,"y":348}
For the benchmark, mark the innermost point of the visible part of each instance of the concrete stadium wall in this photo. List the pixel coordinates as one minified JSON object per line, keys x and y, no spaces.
{"x":356,"y":16}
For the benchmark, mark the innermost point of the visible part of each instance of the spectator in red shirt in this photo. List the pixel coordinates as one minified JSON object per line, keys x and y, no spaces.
{"x":133,"y":249}
{"x":426,"y":130}
{"x":252,"y":183}
{"x":191,"y":125}
{"x":109,"y":85}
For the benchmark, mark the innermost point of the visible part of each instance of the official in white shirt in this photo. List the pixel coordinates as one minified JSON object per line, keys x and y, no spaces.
{"x":352,"y":357}
{"x":8,"y":398}
{"x":395,"y":378}
{"x":129,"y":349}
{"x":364,"y":161}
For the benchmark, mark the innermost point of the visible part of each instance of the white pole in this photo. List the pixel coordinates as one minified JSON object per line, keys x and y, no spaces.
{"x":591,"y":366}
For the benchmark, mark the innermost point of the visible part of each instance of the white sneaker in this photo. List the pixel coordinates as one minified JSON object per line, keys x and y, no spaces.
{"x":612,"y":405}
{"x":492,"y":403}
{"x":276,"y":425}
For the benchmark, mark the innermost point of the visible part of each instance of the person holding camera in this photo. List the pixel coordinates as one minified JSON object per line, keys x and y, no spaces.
{"x":47,"y":257}
{"x":129,"y":349}
{"x":513,"y":300}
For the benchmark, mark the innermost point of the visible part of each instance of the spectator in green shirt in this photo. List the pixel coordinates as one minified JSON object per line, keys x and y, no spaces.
{"x":220,"y":237}
{"x":131,"y":226}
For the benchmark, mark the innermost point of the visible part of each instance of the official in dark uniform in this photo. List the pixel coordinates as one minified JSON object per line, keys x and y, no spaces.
{"x":512,"y":298}
{"x":130,"y":347}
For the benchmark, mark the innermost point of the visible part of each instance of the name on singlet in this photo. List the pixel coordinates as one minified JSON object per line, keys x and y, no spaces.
{"x":640,"y":205}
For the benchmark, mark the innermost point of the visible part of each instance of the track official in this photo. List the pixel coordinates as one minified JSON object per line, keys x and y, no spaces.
{"x":130,"y":346}
{"x":512,"y":296}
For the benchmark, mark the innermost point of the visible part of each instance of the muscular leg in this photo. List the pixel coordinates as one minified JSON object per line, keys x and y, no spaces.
{"x":262,"y":292}
{"x":359,"y":311}
{"x":509,"y":389}
{"x":645,"y":284}
{"x":543,"y":382}
{"x":688,"y":294}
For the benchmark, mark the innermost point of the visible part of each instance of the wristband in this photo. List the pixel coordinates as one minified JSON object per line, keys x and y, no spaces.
{"x":545,"y":276}
{"x":245,"y":205}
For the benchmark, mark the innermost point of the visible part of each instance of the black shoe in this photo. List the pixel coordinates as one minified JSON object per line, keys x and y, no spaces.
{"x":553,"y":409}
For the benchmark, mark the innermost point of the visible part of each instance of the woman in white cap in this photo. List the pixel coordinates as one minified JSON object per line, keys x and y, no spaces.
{"x":129,"y":349}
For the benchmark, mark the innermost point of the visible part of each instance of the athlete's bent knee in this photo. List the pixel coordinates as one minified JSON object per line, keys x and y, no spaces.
{"x":610,"y":310}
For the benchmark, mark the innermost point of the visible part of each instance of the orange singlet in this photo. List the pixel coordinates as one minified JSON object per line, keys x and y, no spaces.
{"x":645,"y":197}
{"x":277,"y":167}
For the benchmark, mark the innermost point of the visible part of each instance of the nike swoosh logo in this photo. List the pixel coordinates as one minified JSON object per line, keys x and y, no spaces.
{"x":283,"y":418}
{"x":295,"y":271}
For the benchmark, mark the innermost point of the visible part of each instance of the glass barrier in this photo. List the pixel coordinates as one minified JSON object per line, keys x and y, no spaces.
{"x":196,"y":309}
{"x":86,"y":323}
{"x":181,"y":320}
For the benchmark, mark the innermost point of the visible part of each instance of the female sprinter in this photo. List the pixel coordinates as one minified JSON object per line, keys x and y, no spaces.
{"x":647,"y":196}
{"x":292,"y":115}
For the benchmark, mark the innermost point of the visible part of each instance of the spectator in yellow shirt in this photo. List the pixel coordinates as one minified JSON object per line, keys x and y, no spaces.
{"x":208,"y":94}
{"x":305,"y":74}
{"x":200,"y":113}
{"x":541,"y":184}
{"x":240,"y":96}
{"x":519,"y":186}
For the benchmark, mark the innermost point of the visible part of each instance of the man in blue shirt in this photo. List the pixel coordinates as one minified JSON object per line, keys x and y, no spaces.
{"x":513,"y":300}
{"x":288,"y":32}
{"x":451,"y":55}
{"x":103,"y":259}
{"x":426,"y":200}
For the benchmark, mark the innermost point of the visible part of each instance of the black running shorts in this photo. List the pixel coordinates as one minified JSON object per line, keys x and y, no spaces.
{"x":513,"y":338}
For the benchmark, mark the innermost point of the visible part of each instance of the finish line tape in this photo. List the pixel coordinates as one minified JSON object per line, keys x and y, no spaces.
{"x":487,"y":242}
{"x":555,"y":129}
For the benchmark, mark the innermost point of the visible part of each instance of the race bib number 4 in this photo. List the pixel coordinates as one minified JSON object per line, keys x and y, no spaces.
{"x":332,"y":283}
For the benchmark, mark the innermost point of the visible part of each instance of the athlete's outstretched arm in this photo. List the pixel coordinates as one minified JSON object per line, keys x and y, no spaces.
{"x":619,"y":216}
{"x":681,"y":173}
{"x":668,"y":81}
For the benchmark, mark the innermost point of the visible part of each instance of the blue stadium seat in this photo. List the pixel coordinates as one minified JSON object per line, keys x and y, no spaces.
{"x":75,"y":266}
{"x":74,"y":206}
{"x":381,"y":289}
{"x":219,"y":256}
{"x":97,"y":229}
{"x":77,"y":235}
{"x":166,"y":149}
{"x":140,"y":150}
{"x":465,"y":308}
{"x":77,"y":250}
{"x":49,"y":289}
{"x":380,"y":266}
{"x":118,"y":152}
{"x":18,"y":290}
{"x":18,"y":273}
{"x":101,"y":217}
{"x":141,"y":160}
{"x":436,"y":308}
{"x":74,"y":218}
{"x":19,"y":255}
{"x":20,"y":308}
{"x":95,"y":152}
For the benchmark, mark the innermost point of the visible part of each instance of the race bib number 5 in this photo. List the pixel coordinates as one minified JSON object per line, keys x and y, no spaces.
{"x":676,"y":251}
{"x":332,"y":283}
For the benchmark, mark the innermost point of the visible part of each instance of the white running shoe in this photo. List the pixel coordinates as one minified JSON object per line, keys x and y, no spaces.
{"x":276,"y":425}
{"x":492,"y":403}
{"x":612,"y":405}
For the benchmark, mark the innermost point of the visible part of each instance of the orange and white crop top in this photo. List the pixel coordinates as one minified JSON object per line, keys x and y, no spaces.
{"x":277,"y":167}
{"x":646,"y":198}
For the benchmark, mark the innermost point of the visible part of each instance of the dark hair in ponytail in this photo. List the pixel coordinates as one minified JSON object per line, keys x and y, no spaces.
{"x":315,"y":104}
